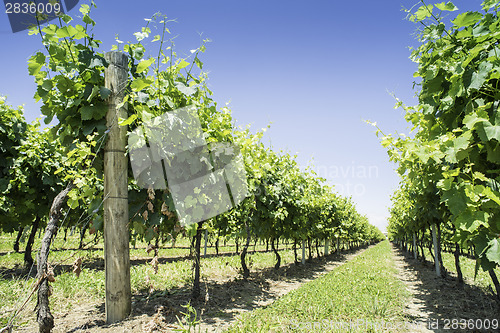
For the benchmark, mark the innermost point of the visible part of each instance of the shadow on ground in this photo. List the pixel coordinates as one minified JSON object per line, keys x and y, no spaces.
{"x":443,"y":299}
{"x":219,"y":305}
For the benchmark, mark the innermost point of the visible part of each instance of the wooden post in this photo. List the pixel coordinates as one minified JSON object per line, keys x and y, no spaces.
{"x":116,"y":229}
{"x":206,"y":240}
{"x":327,"y":245}
{"x":303,"y":252}
{"x":435,"y":243}
{"x":414,"y":246}
{"x":197,"y":246}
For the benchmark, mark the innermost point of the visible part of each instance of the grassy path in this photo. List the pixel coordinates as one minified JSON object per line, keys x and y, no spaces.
{"x":444,"y":305}
{"x":77,"y":302}
{"x":363,"y":295}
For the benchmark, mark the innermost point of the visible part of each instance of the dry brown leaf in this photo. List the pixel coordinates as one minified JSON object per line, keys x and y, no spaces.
{"x":77,"y":267}
{"x":145,"y":215}
{"x":150,"y":207}
{"x":164,"y":209}
{"x":50,"y":273}
{"x":151,"y":193}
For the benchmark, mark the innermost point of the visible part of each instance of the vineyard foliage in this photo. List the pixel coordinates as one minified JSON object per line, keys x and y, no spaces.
{"x":284,"y":202}
{"x":27,"y":165}
{"x":450,"y":167}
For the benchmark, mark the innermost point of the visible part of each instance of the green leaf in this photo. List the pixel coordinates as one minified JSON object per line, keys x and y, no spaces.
{"x":471,"y":221}
{"x":488,"y":4}
{"x":493,"y":252}
{"x":142,"y":97}
{"x":80,"y":32}
{"x":143,"y":65}
{"x":467,"y":19}
{"x":455,"y":200}
{"x":86,"y":112}
{"x":150,"y":234}
{"x":136,"y":51}
{"x":488,"y":192}
{"x":423,"y":12}
{"x":139,"y":84}
{"x":35,"y":63}
{"x":155,"y":219}
{"x":191,"y":228}
{"x":84,"y":9}
{"x":492,"y":131}
{"x":198,"y":63}
{"x":139,"y":227}
{"x":66,"y":18}
{"x":96,"y":111}
{"x":104,"y":92}
{"x":72,"y":203}
{"x":47,"y":85}
{"x":182,"y":64}
{"x":63,"y":32}
{"x":459,"y":144}
{"x":480,"y":176}
{"x":471,"y":120}
{"x":140,"y":35}
{"x":493,"y":151}
{"x":449,"y":6}
{"x":88,"y":20}
{"x":129,"y":121}
{"x":184,"y":89}
{"x":96,"y":62}
{"x":479,"y":77}
{"x":94,"y":92}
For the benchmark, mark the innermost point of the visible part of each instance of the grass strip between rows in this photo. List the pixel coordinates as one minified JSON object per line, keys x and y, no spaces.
{"x":362,"y":295}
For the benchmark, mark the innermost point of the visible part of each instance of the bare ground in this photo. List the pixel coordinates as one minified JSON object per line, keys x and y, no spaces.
{"x":436,"y":301}
{"x":224,"y":300}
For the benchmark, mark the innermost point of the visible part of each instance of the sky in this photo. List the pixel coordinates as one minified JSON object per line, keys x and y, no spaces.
{"x":314,"y":70}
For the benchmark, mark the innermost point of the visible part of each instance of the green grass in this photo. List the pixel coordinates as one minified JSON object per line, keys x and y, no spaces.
{"x":467,"y":265}
{"x":363,"y":290}
{"x":70,"y":291}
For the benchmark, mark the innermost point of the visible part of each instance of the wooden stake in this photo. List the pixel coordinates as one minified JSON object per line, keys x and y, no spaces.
{"x":197,"y":246}
{"x":414,"y":246}
{"x":303,"y":252}
{"x":206,"y":241}
{"x":435,"y":243}
{"x":116,"y":229}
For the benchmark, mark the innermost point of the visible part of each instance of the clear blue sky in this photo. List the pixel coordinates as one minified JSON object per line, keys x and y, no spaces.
{"x":314,"y":69}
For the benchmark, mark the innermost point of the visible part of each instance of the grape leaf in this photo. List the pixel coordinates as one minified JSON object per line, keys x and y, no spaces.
{"x":143,"y":65}
{"x":467,"y":19}
{"x":493,"y":252}
{"x":449,"y":6}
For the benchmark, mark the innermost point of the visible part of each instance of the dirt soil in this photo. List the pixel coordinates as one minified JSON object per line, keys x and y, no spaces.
{"x":435,"y":302}
{"x":223,"y":301}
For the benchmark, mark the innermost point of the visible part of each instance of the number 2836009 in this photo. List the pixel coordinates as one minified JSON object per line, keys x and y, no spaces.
{"x":470,"y":324}
{"x":31,"y":7}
